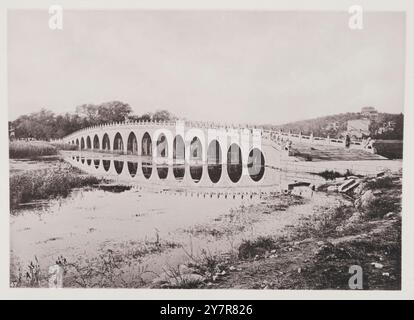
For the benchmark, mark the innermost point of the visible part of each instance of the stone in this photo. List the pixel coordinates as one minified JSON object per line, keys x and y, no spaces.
{"x":390,"y":215}
{"x":377,"y":265}
{"x":356,"y":216}
{"x":332,"y":189}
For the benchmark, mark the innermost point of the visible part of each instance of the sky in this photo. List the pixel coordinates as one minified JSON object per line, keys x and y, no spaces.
{"x":223,"y":66}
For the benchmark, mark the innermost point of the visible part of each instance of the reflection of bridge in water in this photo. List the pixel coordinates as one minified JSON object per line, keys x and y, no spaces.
{"x":177,"y":154}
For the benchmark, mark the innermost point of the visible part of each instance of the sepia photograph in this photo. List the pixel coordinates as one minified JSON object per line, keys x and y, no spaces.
{"x":206,"y":149}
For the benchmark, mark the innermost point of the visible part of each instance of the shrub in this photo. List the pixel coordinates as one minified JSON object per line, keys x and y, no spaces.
{"x":250,"y":248}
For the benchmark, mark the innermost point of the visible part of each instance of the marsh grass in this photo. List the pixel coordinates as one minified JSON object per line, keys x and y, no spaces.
{"x":20,"y":149}
{"x":44,"y":184}
{"x":30,"y":149}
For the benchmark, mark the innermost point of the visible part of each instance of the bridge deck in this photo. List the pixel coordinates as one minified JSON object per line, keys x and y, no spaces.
{"x":317,"y":152}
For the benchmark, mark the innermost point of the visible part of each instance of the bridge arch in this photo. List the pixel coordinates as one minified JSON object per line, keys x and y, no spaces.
{"x":196,"y":149}
{"x":196,"y":156}
{"x":214,"y":161}
{"x":82,"y":143}
{"x":88,"y":143}
{"x":234,"y":162}
{"x":146,"y":145}
{"x":178,"y":157}
{"x":106,"y":144}
{"x":132,"y":168}
{"x":119,"y":165}
{"x":256,"y":164}
{"x":178,"y":148}
{"x":132,"y":144}
{"x":77,"y":142}
{"x":96,"y":142}
{"x":162,"y":146}
{"x":118,"y":145}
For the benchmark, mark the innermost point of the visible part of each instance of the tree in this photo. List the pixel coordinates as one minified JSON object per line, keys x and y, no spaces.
{"x":163,"y":115}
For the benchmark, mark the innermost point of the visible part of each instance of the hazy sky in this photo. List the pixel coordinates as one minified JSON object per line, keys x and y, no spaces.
{"x":256,"y":67}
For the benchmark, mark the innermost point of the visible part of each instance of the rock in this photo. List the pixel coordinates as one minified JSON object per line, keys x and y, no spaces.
{"x":356,"y":216}
{"x":232,"y":268}
{"x":385,"y":274}
{"x":299,"y":270}
{"x":390,"y":215}
{"x":273,"y":251}
{"x":332,"y":189}
{"x":366,"y":199}
{"x":377,"y":265}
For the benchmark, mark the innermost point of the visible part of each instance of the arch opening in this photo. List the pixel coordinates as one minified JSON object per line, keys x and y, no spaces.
{"x":132,"y":144}
{"x":196,"y":169}
{"x":106,"y":144}
{"x":88,"y":161}
{"x":146,"y":146}
{"x":96,"y":142}
{"x":162,"y":146}
{"x":96,"y":163}
{"x":256,"y":164}
{"x":118,"y":143}
{"x":119,"y":165}
{"x":234,"y":163}
{"x":82,"y":143}
{"x":214,"y":165}
{"x":147,"y":169}
{"x":132,"y":168}
{"x":196,"y":149}
{"x":88,"y":143}
{"x":106,"y":164}
{"x":179,"y":157}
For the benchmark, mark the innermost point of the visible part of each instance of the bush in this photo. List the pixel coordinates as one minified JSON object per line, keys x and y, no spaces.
{"x":250,"y":248}
{"x":64,"y":146}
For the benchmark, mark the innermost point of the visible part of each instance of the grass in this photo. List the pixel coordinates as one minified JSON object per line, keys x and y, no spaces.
{"x":332,"y":175}
{"x":30,"y":149}
{"x":250,"y":248}
{"x":45,"y":184}
{"x":20,"y":149}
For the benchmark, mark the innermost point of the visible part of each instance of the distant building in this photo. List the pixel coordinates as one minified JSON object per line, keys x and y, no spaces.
{"x":369,"y":111}
{"x":358,"y":128}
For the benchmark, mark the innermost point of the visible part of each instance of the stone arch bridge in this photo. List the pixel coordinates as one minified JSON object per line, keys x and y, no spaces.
{"x":212,"y":155}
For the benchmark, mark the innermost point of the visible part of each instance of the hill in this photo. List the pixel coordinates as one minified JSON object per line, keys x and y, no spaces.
{"x":385,"y":126}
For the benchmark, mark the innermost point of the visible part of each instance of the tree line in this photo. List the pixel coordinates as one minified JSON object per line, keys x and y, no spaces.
{"x":46,"y":125}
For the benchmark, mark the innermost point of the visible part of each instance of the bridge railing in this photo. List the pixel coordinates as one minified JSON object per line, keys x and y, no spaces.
{"x":282,"y":138}
{"x":192,"y":124}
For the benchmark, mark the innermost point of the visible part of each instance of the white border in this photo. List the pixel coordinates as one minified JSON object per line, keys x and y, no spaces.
{"x":407,"y":291}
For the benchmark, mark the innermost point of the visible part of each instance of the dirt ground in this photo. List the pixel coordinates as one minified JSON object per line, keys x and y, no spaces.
{"x":318,"y":250}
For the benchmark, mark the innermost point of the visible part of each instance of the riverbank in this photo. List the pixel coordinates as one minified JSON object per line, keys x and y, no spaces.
{"x":56,"y":179}
{"x":363,"y":229}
